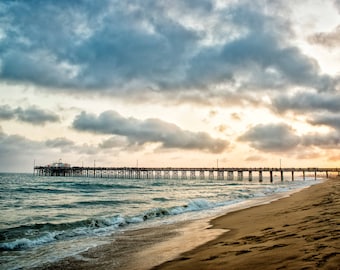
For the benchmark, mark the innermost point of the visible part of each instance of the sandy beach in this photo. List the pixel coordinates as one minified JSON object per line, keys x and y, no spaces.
{"x":301,"y":231}
{"x":298,"y":232}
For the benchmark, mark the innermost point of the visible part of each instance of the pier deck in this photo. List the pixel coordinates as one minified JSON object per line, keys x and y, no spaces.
{"x":181,"y":173}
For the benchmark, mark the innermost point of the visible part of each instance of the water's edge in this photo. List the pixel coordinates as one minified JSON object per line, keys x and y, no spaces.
{"x":144,"y":248}
{"x":187,"y":239}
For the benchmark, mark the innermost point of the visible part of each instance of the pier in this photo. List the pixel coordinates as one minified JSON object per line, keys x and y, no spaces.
{"x":184,"y":173}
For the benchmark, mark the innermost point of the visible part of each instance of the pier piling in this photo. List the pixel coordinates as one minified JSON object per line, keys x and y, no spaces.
{"x":271,"y":176}
{"x":260,"y":176}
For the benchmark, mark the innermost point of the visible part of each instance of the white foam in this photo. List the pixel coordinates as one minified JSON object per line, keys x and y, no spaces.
{"x":24,"y":243}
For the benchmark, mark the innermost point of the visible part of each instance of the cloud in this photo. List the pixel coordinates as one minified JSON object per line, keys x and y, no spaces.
{"x":65,"y":145}
{"x":17,"y":152}
{"x":6,"y":113}
{"x":331,"y":120}
{"x":17,"y":144}
{"x":36,"y":116}
{"x":257,"y":61}
{"x":221,"y":128}
{"x":281,"y":137}
{"x":141,"y":132}
{"x":59,"y":143}
{"x":327,"y":39}
{"x":143,"y":46}
{"x":32,"y":115}
{"x":113,"y":142}
{"x":255,"y":158}
{"x":236,"y":116}
{"x":329,"y":140}
{"x":309,"y":153}
{"x":304,"y":101}
{"x":116,"y":44}
{"x":334,"y":158}
{"x":271,"y":137}
{"x":337,"y":4}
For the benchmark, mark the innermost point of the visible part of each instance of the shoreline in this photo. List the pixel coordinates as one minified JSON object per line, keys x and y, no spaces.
{"x":148,"y":247}
{"x":297,"y":232}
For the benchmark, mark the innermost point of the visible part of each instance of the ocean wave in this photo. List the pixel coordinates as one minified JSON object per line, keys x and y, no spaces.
{"x":99,"y":186}
{"x":193,"y":205}
{"x":50,"y":190}
{"x":100,"y":202}
{"x":25,"y":237}
{"x":161,"y":199}
{"x":28,"y":236}
{"x":25,"y":243}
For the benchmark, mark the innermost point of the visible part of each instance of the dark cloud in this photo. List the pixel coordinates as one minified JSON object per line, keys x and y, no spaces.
{"x":325,"y":140}
{"x":32,"y":115}
{"x":141,"y":132}
{"x":329,"y":140}
{"x":36,"y":116}
{"x":280,"y":137}
{"x":202,"y":6}
{"x":117,"y":44}
{"x":123,"y":46}
{"x":303,"y":101}
{"x":331,"y":120}
{"x":59,"y":143}
{"x":113,"y":142}
{"x":328,"y":39}
{"x":275,"y":67}
{"x":258,"y":59}
{"x":6,"y":113}
{"x":271,"y":137}
{"x":65,"y":145}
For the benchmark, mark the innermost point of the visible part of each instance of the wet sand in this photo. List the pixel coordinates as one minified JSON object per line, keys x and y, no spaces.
{"x":140,"y":249}
{"x":298,"y":232}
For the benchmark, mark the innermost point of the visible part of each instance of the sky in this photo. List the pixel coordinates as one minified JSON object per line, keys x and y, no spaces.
{"x":241,"y":83}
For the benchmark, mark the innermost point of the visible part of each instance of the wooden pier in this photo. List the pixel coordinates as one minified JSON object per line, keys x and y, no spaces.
{"x":183,"y":173}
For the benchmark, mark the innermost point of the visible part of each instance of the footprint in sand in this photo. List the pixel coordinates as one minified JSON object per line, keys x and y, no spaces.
{"x":274,"y":247}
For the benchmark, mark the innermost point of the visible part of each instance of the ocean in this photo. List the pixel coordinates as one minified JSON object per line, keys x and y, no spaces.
{"x":45,"y":219}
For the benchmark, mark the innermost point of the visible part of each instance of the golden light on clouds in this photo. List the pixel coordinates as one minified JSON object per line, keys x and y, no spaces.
{"x":186,"y":83}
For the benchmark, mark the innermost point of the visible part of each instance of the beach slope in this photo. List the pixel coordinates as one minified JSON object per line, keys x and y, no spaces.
{"x":298,"y":232}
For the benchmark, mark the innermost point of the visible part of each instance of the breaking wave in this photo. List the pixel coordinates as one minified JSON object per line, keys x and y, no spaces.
{"x":28,"y":236}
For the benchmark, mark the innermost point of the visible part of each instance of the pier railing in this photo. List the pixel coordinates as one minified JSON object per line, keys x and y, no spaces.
{"x":183,"y":173}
